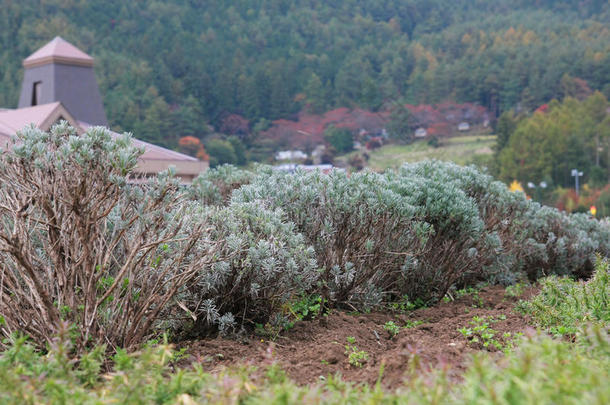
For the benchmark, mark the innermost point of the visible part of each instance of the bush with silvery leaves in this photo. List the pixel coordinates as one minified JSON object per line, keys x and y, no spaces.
{"x":362,"y":231}
{"x":214,"y":186}
{"x":459,"y":249}
{"x":534,"y":240}
{"x":260,"y":263}
{"x":424,"y":228}
{"x":78,"y":244}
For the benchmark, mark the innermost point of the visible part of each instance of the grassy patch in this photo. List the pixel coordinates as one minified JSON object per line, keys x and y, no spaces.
{"x":460,"y":149}
{"x":564,"y":305}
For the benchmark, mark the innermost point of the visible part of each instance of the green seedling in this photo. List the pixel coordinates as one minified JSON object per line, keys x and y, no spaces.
{"x":515,"y":290}
{"x":391,"y":328}
{"x":481,"y":332}
{"x":411,"y":324}
{"x":355,"y":357}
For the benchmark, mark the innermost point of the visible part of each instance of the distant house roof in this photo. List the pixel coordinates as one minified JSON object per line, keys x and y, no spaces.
{"x":58,"y":51}
{"x":153,"y":152}
{"x":154,"y":159}
{"x":42,"y":116}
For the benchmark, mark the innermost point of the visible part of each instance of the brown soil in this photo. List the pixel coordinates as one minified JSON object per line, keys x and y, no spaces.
{"x":315,"y":349}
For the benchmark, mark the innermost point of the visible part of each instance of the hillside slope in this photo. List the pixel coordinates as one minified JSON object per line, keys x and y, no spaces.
{"x":177,"y":64}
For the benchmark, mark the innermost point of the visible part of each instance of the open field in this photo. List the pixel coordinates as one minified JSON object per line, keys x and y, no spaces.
{"x":460,"y":149}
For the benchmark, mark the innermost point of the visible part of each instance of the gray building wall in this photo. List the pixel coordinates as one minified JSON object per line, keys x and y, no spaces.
{"x":74,"y":86}
{"x":44,"y":74}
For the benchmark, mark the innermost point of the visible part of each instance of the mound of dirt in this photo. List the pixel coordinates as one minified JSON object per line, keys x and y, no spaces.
{"x":315,"y":349}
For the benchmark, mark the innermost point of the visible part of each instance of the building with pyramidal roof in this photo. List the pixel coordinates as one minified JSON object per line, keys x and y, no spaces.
{"x":59,"y":84}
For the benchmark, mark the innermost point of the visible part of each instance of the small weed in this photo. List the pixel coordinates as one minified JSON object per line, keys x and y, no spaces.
{"x":391,"y":328}
{"x":515,"y":290}
{"x":405,"y":305}
{"x":481,"y":332}
{"x":267,"y":330}
{"x":411,"y":324}
{"x":358,"y":358}
{"x":306,"y":307}
{"x":477,"y":301}
{"x":355,"y":357}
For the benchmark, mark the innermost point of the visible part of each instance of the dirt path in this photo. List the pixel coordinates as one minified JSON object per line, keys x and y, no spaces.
{"x":315,"y":349}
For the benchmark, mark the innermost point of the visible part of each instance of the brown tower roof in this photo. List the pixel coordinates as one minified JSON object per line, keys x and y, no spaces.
{"x":58,"y":51}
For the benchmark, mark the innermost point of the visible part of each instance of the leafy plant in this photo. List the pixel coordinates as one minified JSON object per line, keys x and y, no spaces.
{"x":477,"y":301}
{"x":357,"y":227}
{"x":412,"y":324}
{"x":306,"y":307}
{"x":482,"y":333}
{"x":405,"y":305}
{"x":355,"y":357}
{"x":563,"y":305}
{"x":79,"y":244}
{"x":391,"y":328}
{"x":214,"y":186}
{"x":259,"y":265}
{"x":516,"y":290}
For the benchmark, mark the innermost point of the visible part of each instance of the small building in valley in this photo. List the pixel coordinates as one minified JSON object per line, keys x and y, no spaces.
{"x":59,"y":84}
{"x":421,"y":133}
{"x":463,"y":127}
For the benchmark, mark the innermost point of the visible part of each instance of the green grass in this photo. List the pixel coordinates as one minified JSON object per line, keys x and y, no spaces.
{"x":564,"y":306}
{"x":461,"y":150}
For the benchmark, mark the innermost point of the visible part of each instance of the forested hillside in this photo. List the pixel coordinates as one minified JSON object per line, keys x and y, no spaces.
{"x":182,"y":63}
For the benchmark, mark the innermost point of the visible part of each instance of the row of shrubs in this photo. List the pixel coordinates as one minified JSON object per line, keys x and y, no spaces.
{"x":420,"y":230}
{"x":81,"y":243}
{"x":541,"y":370}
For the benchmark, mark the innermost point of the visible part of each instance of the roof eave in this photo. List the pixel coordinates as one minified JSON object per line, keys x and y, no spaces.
{"x":59,"y":60}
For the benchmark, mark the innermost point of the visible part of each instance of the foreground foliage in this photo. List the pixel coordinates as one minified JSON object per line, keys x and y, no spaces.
{"x":78,"y":245}
{"x":541,"y":370}
{"x":123,"y":262}
{"x":564,"y":305}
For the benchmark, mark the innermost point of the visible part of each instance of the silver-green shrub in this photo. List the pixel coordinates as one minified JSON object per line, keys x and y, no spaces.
{"x":460,"y":248}
{"x":363,"y":232}
{"x":214,"y":187}
{"x":79,"y":244}
{"x":535,"y":240}
{"x":425,"y":228}
{"x":260,"y":262}
{"x":562,"y":244}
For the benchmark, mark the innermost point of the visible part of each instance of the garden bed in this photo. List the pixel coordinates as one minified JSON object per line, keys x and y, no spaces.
{"x":315,"y":349}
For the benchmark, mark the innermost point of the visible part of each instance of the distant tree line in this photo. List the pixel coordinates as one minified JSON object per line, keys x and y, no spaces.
{"x":167,"y":69}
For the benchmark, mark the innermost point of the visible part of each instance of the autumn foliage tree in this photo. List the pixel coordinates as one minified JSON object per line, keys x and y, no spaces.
{"x":569,"y":135}
{"x":193,"y":146}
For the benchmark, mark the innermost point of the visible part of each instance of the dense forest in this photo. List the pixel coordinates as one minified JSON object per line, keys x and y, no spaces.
{"x":182,"y":64}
